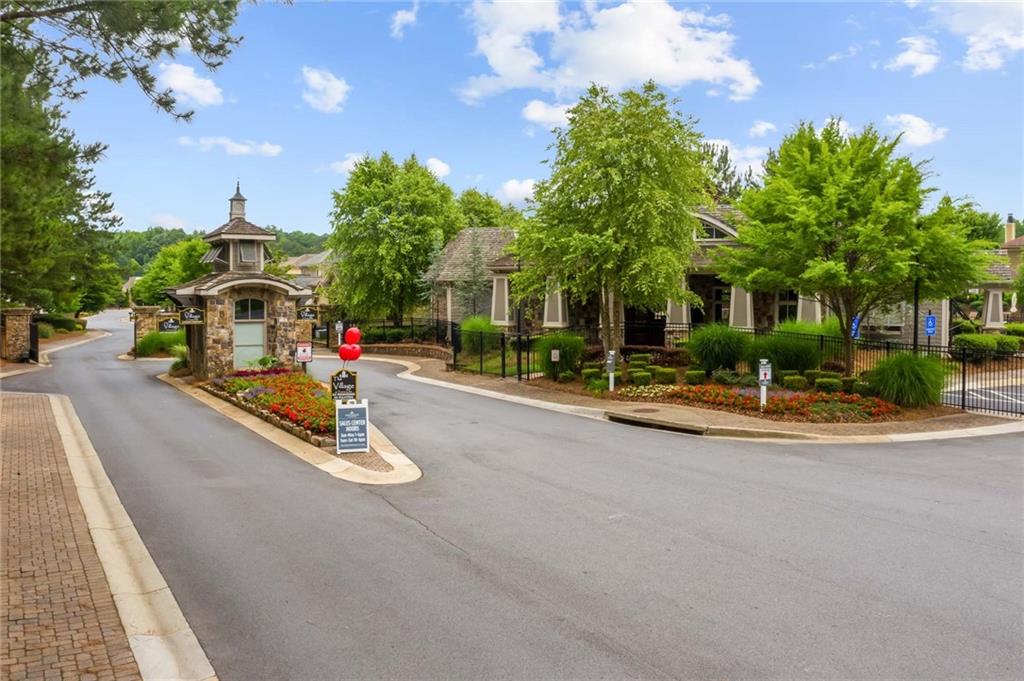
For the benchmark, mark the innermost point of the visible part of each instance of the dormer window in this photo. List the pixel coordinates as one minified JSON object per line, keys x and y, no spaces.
{"x":247,"y":251}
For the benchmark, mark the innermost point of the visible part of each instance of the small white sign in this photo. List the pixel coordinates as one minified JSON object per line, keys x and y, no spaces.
{"x":304,"y":351}
{"x":764,"y":372}
{"x":555,"y":354}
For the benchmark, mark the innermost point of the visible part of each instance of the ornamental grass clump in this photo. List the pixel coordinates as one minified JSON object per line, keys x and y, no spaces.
{"x":159,"y":341}
{"x":718,"y":346}
{"x":476,"y":333}
{"x":786,"y":353}
{"x":909,"y":380}
{"x":570,"y":349}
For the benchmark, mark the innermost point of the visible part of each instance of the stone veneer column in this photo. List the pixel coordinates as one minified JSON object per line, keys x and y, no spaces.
{"x":16,"y":332}
{"x":219,"y":348}
{"x":145,"y":320}
{"x":281,"y":327}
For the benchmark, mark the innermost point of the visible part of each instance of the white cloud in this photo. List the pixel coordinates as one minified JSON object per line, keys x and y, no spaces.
{"x":548,"y":115}
{"x":438,"y":167}
{"x":324,"y":91}
{"x":187,"y":86}
{"x":167,"y":220}
{"x":851,"y":51}
{"x":232,"y":147}
{"x":745,"y":157}
{"x":994,"y":31}
{"x":403,"y":18}
{"x":615,"y":46}
{"x":349,"y":163}
{"x":921,"y":55}
{"x":516,"y":191}
{"x":761,"y":128}
{"x":917,"y":132}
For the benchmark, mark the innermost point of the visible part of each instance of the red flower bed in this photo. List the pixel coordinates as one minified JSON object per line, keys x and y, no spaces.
{"x":783,"y":405}
{"x":291,"y":395}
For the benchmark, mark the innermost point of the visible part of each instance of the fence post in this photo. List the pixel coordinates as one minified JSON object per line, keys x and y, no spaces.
{"x":503,"y":354}
{"x":481,"y":334}
{"x":963,"y":378}
{"x":519,"y":357}
{"x":455,"y":345}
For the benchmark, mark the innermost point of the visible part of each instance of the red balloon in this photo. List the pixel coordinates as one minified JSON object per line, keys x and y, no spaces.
{"x":345,"y":352}
{"x":352,"y":335}
{"x":356,"y":352}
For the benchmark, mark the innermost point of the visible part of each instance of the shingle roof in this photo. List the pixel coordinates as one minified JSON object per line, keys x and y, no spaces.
{"x":307,"y":259}
{"x":239,"y":226}
{"x":455,"y":262}
{"x":1015,"y":244}
{"x":208,"y":281}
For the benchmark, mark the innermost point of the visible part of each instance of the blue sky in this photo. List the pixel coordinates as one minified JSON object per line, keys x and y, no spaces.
{"x":477,"y":87}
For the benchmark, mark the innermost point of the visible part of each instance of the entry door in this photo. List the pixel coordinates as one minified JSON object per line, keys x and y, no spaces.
{"x":720,"y":304}
{"x":248,"y":343}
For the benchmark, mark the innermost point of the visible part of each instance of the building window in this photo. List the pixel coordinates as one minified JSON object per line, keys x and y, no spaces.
{"x":787,"y":304}
{"x":247,"y":251}
{"x":249,"y":309}
{"x":713,"y":232}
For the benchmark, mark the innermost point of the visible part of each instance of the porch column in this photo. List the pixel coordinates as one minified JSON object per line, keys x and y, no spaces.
{"x":992,"y":309}
{"x":808,"y":310}
{"x":676,"y":313}
{"x":499,"y":301}
{"x":741,"y":308}
{"x":555,"y":309}
{"x":448,"y":302}
{"x":145,"y":320}
{"x":944,"y":322}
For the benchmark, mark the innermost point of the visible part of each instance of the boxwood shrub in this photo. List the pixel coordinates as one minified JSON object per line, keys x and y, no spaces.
{"x":57,"y":321}
{"x":566,"y":377}
{"x":640,"y":358}
{"x":396,"y":335}
{"x":570,"y":349}
{"x":978,"y":346}
{"x":829,"y":374}
{"x":1014,"y":329}
{"x":45,"y":329}
{"x":864,"y":389}
{"x":828,"y":385}
{"x":798,"y":353}
{"x":848,"y":383}
{"x":1007,"y":344}
{"x":640,"y":377}
{"x":811,"y":376}
{"x":591,"y":374}
{"x":665,"y":375}
{"x":718,"y":346}
{"x":908,"y":380}
{"x":794,"y":383}
{"x":696,"y":377}
{"x":597,"y":387}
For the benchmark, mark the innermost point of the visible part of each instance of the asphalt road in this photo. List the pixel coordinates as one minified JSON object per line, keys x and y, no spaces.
{"x":540,"y":545}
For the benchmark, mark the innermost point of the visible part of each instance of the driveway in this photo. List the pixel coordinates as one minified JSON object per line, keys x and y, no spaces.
{"x":541,"y":545}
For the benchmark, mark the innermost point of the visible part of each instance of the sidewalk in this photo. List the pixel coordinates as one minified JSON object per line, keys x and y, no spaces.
{"x":60,"y":619}
{"x":707,"y":421}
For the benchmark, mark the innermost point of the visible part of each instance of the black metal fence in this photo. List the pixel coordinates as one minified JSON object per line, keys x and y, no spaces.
{"x":978,"y":380}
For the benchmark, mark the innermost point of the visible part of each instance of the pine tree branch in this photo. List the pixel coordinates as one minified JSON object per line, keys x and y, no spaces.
{"x":38,"y":14}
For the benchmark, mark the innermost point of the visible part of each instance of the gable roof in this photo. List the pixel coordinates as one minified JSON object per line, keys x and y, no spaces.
{"x":239,"y":226}
{"x":307,"y":259}
{"x":456,"y":260}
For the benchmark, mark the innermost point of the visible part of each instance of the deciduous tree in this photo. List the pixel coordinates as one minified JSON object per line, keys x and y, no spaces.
{"x":173,"y":265}
{"x":615,"y":219}
{"x":388,"y":222}
{"x":483,"y":210}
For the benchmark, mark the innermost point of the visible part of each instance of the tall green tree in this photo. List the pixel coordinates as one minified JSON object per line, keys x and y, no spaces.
{"x":118,"y":40}
{"x":981,"y":225}
{"x":727,"y":183}
{"x":134,"y":249}
{"x":387,"y":223}
{"x":54,"y":221}
{"x":838,"y":219}
{"x":297,"y":242}
{"x":173,"y":265}
{"x":483,"y":210}
{"x":615,"y":218}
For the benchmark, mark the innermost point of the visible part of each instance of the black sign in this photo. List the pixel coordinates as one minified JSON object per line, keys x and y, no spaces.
{"x":192,"y":315}
{"x":344,"y":385}
{"x":170,"y":324}
{"x":353,"y":428}
{"x":307,"y":314}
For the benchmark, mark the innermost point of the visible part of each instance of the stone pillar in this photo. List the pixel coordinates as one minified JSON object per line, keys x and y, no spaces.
{"x":16,"y":333}
{"x":676,"y":313}
{"x":741,"y":308}
{"x":808,"y":310}
{"x":218,"y":346}
{"x":145,"y":320}
{"x":499,"y":301}
{"x":992,"y":310}
{"x":303,"y":330}
{"x":556,"y":314}
{"x":281,"y":328}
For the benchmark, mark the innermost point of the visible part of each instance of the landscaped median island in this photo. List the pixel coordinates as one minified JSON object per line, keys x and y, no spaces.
{"x":288,"y":399}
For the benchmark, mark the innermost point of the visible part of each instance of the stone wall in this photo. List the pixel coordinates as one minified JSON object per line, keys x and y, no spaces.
{"x":409,"y":350}
{"x":16,"y":322}
{"x":145,"y":320}
{"x":217,"y":336}
{"x":281,"y":327}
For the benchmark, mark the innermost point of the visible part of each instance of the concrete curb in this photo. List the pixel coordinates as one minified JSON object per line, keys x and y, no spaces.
{"x":725,"y":432}
{"x":404,"y":469}
{"x":125,"y":357}
{"x":164,"y":645}
{"x":44,"y":355}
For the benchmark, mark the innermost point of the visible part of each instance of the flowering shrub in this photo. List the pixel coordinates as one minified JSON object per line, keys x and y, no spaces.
{"x":291,"y":395}
{"x":804,"y":406}
{"x":270,"y":371}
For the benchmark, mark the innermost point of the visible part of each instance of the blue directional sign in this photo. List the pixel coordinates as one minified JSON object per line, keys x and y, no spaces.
{"x":929,"y":325}
{"x":855,"y":327}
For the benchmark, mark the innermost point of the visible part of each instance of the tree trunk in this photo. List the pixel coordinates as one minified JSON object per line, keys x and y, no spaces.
{"x":617,"y":321}
{"x":606,"y":321}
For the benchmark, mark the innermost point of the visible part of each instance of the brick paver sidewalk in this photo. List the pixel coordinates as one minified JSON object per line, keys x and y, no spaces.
{"x":59,"y":619}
